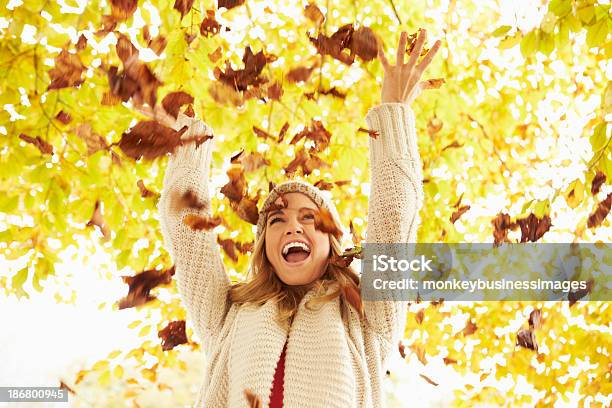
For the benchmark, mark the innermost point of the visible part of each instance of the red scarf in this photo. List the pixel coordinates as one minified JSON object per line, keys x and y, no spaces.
{"x":276,"y":398}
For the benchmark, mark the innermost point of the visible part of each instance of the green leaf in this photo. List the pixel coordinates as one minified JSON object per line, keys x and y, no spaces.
{"x":511,"y":41}
{"x":560,"y":7}
{"x":547,"y":43}
{"x":530,"y":43}
{"x":598,"y":138}
{"x":586,"y":14}
{"x":18,"y":280}
{"x":597,"y":33}
{"x":501,"y":31}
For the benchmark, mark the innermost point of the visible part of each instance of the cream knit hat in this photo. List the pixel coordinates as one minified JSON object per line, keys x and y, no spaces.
{"x":321,"y":198}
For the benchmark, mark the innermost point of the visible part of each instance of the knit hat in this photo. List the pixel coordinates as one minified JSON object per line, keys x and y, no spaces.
{"x":321,"y":198}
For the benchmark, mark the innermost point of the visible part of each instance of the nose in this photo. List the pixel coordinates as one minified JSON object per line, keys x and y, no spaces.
{"x":294,"y":226}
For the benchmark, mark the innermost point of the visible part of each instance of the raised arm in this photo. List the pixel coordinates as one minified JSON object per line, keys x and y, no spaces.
{"x":396,"y":178}
{"x":202,"y":281}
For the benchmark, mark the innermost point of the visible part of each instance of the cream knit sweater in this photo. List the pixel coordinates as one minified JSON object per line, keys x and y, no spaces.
{"x":333,"y":358}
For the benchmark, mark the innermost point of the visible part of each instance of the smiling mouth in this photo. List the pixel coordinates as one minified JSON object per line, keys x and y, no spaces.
{"x":296,"y":257}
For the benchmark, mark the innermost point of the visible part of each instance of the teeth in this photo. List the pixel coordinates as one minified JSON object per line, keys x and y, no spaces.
{"x":295,"y":244}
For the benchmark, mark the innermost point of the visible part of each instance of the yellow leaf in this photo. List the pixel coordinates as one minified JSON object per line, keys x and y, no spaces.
{"x":144,"y":331}
{"x":113,"y":354}
{"x":118,"y":371}
{"x":100,"y":365}
{"x":104,"y":378}
{"x":134,"y":324}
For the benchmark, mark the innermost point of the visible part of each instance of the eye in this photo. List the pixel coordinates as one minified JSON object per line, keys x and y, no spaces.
{"x":274,"y":220}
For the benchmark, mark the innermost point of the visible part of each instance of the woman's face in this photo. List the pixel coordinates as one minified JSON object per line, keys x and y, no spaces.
{"x":297,"y":265}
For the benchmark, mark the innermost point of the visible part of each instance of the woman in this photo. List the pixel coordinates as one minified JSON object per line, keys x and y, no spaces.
{"x":291,"y":333}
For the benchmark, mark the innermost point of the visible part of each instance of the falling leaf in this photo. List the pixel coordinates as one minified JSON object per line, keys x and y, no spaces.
{"x":94,"y":141}
{"x":574,"y":296}
{"x":229,"y":247}
{"x":201,"y":222}
{"x":246,"y":209}
{"x":262,"y":133}
{"x":448,"y":360}
{"x":533,"y":228}
{"x":457,"y":214}
{"x":63,"y":117}
{"x":67,"y":71}
{"x":157,"y":44}
{"x":209,"y":26}
{"x":275,"y":91}
{"x":243,"y":78}
{"x":173,"y":334}
{"x":44,"y":147}
{"x":335,"y":45}
{"x":173,"y":102}
{"x":183,"y":6}
{"x":364,"y":43}
{"x":236,"y":187}
{"x":501,"y":226}
{"x":324,"y":222}
{"x":402,"y":349}
{"x":252,"y":399}
{"x":434,"y":125}
{"x":372,"y":133}
{"x":141,"y":284}
{"x":230,"y":4}
{"x":428,"y":379}
{"x":598,"y":180}
{"x":252,"y":161}
{"x":145,"y":192}
{"x":123,"y":9}
{"x":97,"y":219}
{"x":125,"y":49}
{"x":526,"y":338}
{"x":535,"y":319}
{"x":603,"y":209}
{"x":81,"y":43}
{"x":420,"y":353}
{"x":299,"y":74}
{"x":469,"y":328}
{"x":312,"y":12}
{"x":188,"y":199}
{"x":150,"y":140}
{"x":419,"y":316}
{"x":434,"y":83}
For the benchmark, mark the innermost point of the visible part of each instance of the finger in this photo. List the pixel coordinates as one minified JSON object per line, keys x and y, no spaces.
{"x":409,"y":89}
{"x":383,"y":58}
{"x":401,"y":49}
{"x":429,"y":57}
{"x":416,"y":51}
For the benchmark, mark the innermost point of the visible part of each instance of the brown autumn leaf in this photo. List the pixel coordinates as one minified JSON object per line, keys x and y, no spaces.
{"x":262,"y":133}
{"x":357,"y":239}
{"x":145,"y":192}
{"x":535,"y":319}
{"x":97,"y":219}
{"x":454,"y":144}
{"x":501,"y":225}
{"x":248,"y":76}
{"x":141,"y":284}
{"x":372,"y":133}
{"x":253,"y":161}
{"x":173,"y":334}
{"x":173,"y":102}
{"x":299,"y":74}
{"x":209,"y":26}
{"x":574,"y":296}
{"x":402,"y":349}
{"x":215,"y":55}
{"x":125,"y":49}
{"x":434,"y":125}
{"x":364,"y":43}
{"x":64,"y":386}
{"x":229,"y":247}
{"x":306,"y":161}
{"x":312,"y":12}
{"x":44,"y":147}
{"x":419,"y":316}
{"x":420,"y":353}
{"x":433,"y":83}
{"x":150,"y":139}
{"x":333,"y":91}
{"x":123,"y":9}
{"x":236,"y":187}
{"x":429,"y":380}
{"x":323,"y":185}
{"x":67,"y":72}
{"x":470,"y":328}
{"x":316,"y":132}
{"x":63,"y":117}
{"x":157,"y":44}
{"x":448,"y":360}
{"x":533,"y":228}
{"x":230,"y":4}
{"x":335,"y":45}
{"x":598,"y":180}
{"x":138,"y":81}
{"x":324,"y":222}
{"x":183,"y":6}
{"x":252,"y":399}
{"x":81,"y":43}
{"x":109,"y":23}
{"x":246,"y":209}
{"x":275,"y":91}
{"x":526,"y":338}
{"x":457,"y":214}
{"x":202,"y":222}
{"x":188,"y":199}
{"x":601,"y":212}
{"x":94,"y":141}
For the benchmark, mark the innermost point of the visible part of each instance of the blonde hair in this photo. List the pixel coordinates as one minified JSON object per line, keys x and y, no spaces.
{"x":263,"y":284}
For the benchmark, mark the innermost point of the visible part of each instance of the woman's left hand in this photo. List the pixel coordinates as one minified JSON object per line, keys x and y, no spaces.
{"x":401,"y":81}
